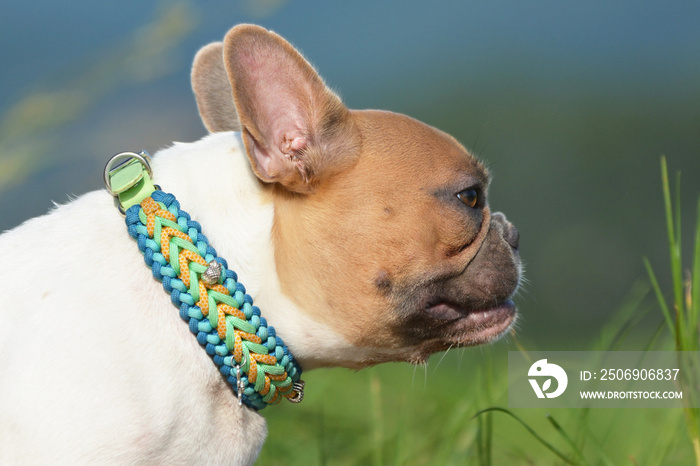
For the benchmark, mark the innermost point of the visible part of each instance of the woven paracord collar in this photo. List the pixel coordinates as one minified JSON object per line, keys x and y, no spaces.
{"x":251,"y":357}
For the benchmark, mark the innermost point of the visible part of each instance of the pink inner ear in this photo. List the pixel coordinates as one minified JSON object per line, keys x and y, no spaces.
{"x":293,"y":143}
{"x":279,"y":115}
{"x":281,"y":103}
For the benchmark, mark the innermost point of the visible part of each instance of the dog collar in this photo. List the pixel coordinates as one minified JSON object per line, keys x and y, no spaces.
{"x":251,"y":357}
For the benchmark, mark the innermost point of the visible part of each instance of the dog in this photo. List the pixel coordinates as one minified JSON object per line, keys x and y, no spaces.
{"x":364,"y":236}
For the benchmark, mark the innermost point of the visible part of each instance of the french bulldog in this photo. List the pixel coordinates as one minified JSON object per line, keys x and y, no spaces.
{"x":364,"y":236}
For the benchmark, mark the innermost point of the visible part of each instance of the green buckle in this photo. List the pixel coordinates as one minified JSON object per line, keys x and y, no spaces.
{"x":129,"y":178}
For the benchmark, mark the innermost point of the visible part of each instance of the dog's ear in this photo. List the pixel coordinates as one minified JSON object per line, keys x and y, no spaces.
{"x":296,"y":131}
{"x":212,"y":89}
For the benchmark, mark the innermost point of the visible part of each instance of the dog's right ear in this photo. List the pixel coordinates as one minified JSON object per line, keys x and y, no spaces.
{"x":212,"y":89}
{"x":296,"y":131}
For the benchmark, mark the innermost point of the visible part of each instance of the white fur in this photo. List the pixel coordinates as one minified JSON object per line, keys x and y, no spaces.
{"x":96,"y":365}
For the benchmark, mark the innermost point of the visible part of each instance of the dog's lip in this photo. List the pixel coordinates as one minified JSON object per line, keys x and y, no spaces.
{"x":445,"y":310}
{"x":472,"y":327}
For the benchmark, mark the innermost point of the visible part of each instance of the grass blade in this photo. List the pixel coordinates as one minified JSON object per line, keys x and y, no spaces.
{"x":566,"y":438}
{"x":660,"y":297}
{"x":625,"y":319}
{"x":485,"y":435}
{"x":674,"y":247}
{"x":655,"y":336}
{"x":532,"y":432}
{"x":694,"y":306}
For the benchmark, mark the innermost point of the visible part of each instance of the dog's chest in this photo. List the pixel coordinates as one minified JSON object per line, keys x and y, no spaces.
{"x":93,"y":349}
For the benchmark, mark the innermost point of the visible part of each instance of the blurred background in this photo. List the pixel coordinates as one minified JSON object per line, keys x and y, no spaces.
{"x":571,"y":105}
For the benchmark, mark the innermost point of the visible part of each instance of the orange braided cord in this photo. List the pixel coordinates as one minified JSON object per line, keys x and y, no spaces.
{"x":266,"y":388}
{"x":165,"y":235}
{"x":278,"y":378}
{"x":153,"y":210}
{"x":224,"y":310}
{"x":253,"y":370}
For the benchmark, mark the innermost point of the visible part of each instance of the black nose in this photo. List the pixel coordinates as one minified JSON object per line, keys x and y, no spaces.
{"x":511,"y":235}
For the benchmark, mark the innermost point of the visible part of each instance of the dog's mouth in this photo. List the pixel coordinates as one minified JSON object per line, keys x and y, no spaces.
{"x":442,"y":325}
{"x":468,"y":327}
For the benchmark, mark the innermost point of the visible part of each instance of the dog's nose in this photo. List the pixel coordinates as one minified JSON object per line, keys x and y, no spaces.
{"x":511,"y":235}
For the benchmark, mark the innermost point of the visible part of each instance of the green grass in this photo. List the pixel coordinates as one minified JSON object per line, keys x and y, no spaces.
{"x":417,"y":422}
{"x":454,"y":410}
{"x":682,"y":317}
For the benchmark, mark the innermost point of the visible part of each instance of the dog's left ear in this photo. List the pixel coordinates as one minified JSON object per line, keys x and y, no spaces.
{"x":212,"y":89}
{"x":297,"y":132}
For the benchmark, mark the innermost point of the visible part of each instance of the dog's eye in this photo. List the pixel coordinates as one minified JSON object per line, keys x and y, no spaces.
{"x":470,"y":197}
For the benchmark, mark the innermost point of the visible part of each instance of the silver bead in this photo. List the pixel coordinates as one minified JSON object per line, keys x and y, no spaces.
{"x":213,"y":273}
{"x":298,"y":390}
{"x":240,"y":386}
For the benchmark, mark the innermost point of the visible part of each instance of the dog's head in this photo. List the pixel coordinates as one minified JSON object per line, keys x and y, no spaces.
{"x":382,"y":226}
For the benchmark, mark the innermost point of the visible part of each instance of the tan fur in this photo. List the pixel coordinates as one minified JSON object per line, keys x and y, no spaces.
{"x":370,"y":237}
{"x":384,"y":222}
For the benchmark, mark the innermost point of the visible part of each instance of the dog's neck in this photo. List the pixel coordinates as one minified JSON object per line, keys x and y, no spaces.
{"x":237,"y":213}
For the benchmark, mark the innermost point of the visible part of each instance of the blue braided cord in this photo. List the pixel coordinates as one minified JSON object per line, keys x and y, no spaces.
{"x":199,"y":325}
